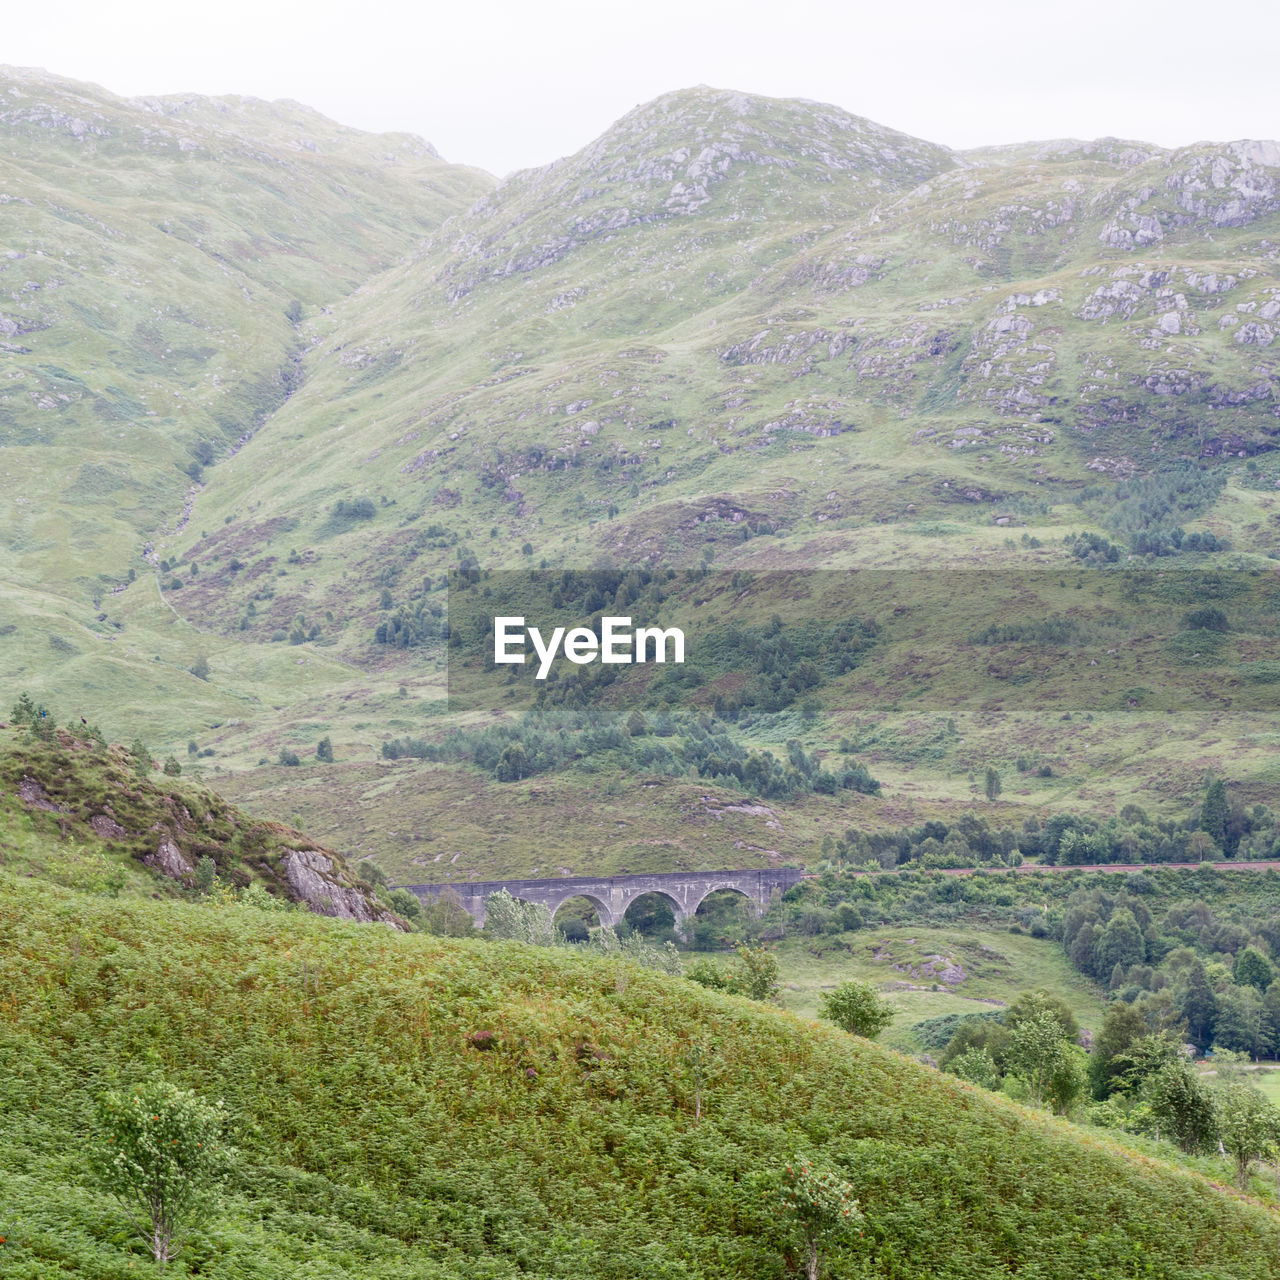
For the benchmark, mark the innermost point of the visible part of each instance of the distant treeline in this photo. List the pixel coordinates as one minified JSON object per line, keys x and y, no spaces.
{"x":551,"y":738}
{"x":1147,"y":512}
{"x":1219,"y":828}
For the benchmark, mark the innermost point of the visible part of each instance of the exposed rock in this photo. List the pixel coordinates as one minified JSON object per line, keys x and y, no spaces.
{"x":34,"y":796}
{"x":107,"y":828}
{"x":1254,"y":334}
{"x":312,"y":876}
{"x":169,"y":860}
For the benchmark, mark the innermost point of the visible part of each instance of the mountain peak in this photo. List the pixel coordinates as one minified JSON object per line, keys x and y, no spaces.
{"x":708,"y":134}
{"x":721,"y":155}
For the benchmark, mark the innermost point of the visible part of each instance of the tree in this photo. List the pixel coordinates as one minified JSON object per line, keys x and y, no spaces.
{"x":1030,"y":1003}
{"x":161,"y":1151}
{"x":1037,"y":1051}
{"x":1239,"y":1024}
{"x":1199,"y":1006}
{"x":1121,"y":1029}
{"x":324,"y":750}
{"x":206,"y":874}
{"x":518,"y":921}
{"x":141,"y":758}
{"x":753,"y":973}
{"x":1248,"y":1126}
{"x":172,"y":767}
{"x":200,"y":667}
{"x":858,"y":1008}
{"x":976,"y":1066}
{"x":1182,"y":1104}
{"x":406,"y":904}
{"x":758,"y":978}
{"x":1215,"y":811}
{"x":1253,"y":969}
{"x":446,"y":917}
{"x":1144,"y":1057}
{"x":983,"y":1034}
{"x":1069,"y":1079}
{"x":822,"y":1205}
{"x":1120,"y":942}
{"x":513,"y":764}
{"x":1271,"y":1018}
{"x":993,"y":784}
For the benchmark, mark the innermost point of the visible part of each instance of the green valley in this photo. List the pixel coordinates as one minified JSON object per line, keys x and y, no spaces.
{"x":957,"y":472}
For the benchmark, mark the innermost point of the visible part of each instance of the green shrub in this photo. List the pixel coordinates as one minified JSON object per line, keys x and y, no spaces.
{"x":161,"y":1151}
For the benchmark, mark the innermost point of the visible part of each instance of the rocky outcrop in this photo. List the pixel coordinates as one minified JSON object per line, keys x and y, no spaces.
{"x":312,"y":876}
{"x":169,"y":860}
{"x":107,"y":827}
{"x":34,"y":796}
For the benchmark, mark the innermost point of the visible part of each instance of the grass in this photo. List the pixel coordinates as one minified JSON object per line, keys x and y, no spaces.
{"x":377,"y":1141}
{"x":903,"y":962}
{"x":594,"y":407}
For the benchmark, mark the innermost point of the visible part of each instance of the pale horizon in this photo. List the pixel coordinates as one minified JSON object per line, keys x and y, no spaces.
{"x":516,"y":86}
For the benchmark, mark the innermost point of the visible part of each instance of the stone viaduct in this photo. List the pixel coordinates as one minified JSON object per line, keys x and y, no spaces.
{"x":612,"y":895}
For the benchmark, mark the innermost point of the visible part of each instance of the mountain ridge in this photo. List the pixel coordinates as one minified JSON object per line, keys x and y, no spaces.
{"x":780,"y":365}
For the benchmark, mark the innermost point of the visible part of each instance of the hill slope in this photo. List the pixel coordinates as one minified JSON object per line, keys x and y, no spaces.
{"x":381,"y":1134}
{"x":160,"y":257}
{"x":758,"y":333}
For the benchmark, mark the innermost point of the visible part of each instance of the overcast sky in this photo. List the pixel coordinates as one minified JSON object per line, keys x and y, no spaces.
{"x":505,"y":85}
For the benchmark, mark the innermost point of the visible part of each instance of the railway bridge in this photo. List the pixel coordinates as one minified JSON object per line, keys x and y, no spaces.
{"x":612,"y":895}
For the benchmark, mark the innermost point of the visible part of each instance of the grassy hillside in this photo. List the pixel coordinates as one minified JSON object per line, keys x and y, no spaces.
{"x":162,"y":259}
{"x":274,"y":378}
{"x":79,"y":813}
{"x":378,"y":1137}
{"x":930,"y":972}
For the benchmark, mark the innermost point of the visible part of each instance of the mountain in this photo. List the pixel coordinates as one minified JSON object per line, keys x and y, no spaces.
{"x":161,"y":255}
{"x":289,"y":375}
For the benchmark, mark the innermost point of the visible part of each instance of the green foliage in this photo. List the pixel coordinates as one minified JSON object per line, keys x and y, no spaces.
{"x":1032,"y":1004}
{"x":1093,"y":549}
{"x":1248,"y":1127}
{"x":352,"y":510}
{"x":289,"y":757}
{"x":1215,"y":811}
{"x":511,"y":919}
{"x":753,"y":973}
{"x":1146,"y":509}
{"x":161,"y":1151}
{"x":172,"y":768}
{"x":256,"y":895}
{"x":977,"y":1066}
{"x":934,"y":1034}
{"x":32,"y":717}
{"x":1040,"y":1054}
{"x":821,"y":1204}
{"x":324,"y":749}
{"x":1122,"y":1028}
{"x":1182,"y":1104}
{"x":857,"y":1007}
{"x":1253,"y":969}
{"x":142,"y":759}
{"x":406,"y":904}
{"x":633,"y":947}
{"x":206,"y":874}
{"x":1042,"y":631}
{"x":445,"y":917}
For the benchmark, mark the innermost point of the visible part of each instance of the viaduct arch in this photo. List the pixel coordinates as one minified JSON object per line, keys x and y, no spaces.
{"x":612,"y":895}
